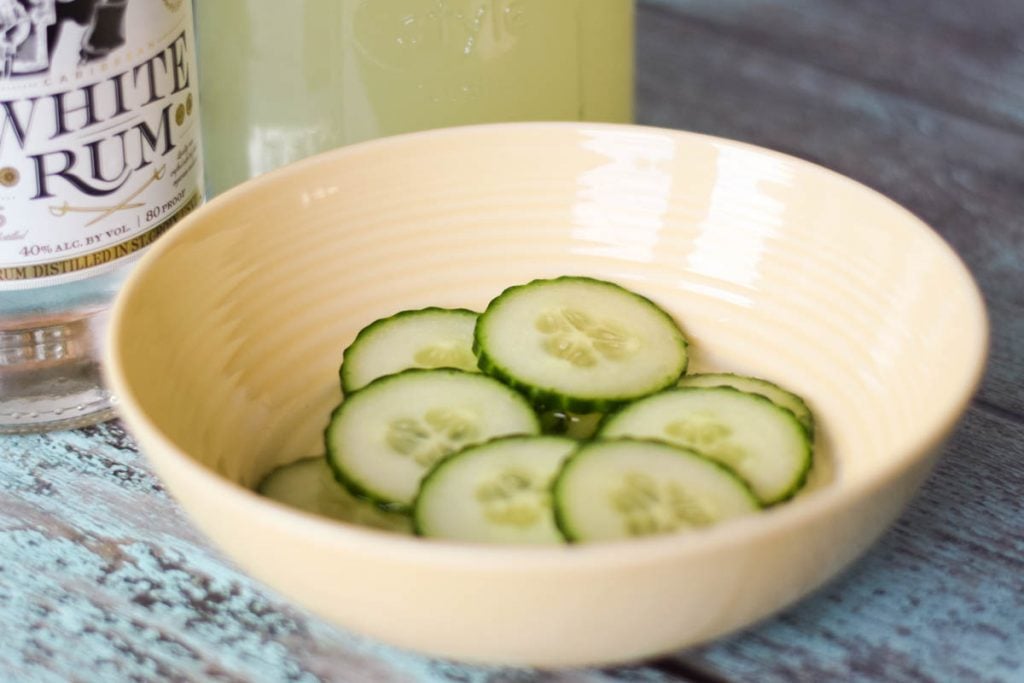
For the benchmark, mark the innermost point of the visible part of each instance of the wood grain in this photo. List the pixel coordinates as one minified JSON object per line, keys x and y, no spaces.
{"x":105,"y":579}
{"x":964,"y":58}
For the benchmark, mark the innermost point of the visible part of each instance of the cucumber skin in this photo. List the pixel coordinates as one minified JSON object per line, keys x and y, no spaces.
{"x":417,"y":528}
{"x":799,"y":481}
{"x":807,"y":423}
{"x":563,"y":524}
{"x":380,"y":322}
{"x":551,"y":399}
{"x":354,"y":487}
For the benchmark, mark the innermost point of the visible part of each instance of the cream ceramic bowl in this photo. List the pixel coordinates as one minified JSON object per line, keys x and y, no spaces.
{"x":226,"y":340}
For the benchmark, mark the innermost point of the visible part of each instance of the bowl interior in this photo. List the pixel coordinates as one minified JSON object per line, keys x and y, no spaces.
{"x":227,"y":339}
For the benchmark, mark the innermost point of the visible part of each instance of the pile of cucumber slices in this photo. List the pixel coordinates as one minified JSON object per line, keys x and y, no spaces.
{"x":563,"y":412}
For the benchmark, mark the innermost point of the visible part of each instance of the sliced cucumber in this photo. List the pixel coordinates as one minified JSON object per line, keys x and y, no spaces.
{"x":498,"y":492}
{"x":579,"y":344}
{"x":425,"y":338}
{"x":763,"y":443}
{"x":384,"y":437}
{"x":574,"y":425}
{"x":755,"y":385}
{"x":626,"y":488}
{"x":309,"y":485}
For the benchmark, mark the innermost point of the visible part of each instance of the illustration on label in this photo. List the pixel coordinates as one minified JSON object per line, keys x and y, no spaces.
{"x":30,"y":29}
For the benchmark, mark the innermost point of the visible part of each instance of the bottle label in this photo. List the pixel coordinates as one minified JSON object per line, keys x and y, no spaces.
{"x":99,"y":133}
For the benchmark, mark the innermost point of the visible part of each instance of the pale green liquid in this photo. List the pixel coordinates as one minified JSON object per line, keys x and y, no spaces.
{"x":280,"y":80}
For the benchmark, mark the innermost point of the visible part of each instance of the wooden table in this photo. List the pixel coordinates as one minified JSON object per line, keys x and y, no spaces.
{"x":103,"y":579}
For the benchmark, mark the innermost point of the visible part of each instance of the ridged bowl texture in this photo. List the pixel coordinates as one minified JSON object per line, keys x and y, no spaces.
{"x":225,"y":345}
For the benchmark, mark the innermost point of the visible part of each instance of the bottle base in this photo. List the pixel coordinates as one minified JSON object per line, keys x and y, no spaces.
{"x":50,"y":374}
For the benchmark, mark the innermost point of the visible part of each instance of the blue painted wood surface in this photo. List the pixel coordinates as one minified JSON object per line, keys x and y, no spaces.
{"x":103,"y":579}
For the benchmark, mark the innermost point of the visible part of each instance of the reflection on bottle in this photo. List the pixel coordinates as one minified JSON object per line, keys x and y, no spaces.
{"x":309,"y":75}
{"x":436,"y":63}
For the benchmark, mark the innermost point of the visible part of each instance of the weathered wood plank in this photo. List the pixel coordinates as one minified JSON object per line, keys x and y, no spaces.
{"x":105,"y":579}
{"x":963,"y":177}
{"x":102,"y":578}
{"x":940,"y":598}
{"x":965,"y":58}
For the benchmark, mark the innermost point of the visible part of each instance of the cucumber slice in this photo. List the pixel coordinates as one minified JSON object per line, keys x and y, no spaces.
{"x":383,"y":438}
{"x":425,"y":338}
{"x":755,"y":385}
{"x":574,"y":425}
{"x":309,"y":485}
{"x":579,"y":344}
{"x":498,"y":492}
{"x":627,"y":488}
{"x":763,"y":443}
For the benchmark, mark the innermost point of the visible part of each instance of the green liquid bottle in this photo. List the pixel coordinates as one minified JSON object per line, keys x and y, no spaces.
{"x":280,"y":81}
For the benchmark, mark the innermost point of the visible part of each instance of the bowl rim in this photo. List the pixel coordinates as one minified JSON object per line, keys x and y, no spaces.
{"x":778,"y":520}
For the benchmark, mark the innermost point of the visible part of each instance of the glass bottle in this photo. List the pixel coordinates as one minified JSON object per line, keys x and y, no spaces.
{"x":99,"y":155}
{"x":283,"y":80}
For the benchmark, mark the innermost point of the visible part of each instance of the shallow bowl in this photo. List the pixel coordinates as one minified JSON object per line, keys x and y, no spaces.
{"x":226,"y":340}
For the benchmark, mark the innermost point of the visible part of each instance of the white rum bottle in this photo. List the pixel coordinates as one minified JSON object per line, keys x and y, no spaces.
{"x":99,"y":155}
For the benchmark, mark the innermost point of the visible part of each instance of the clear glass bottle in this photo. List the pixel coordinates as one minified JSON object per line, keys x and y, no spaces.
{"x":283,"y":80}
{"x":99,"y":156}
